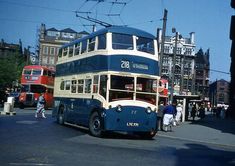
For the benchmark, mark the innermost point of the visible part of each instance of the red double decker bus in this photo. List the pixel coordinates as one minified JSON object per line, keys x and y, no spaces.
{"x":36,"y":80}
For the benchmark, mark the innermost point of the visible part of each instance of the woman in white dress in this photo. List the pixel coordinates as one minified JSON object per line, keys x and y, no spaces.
{"x":179,"y":111}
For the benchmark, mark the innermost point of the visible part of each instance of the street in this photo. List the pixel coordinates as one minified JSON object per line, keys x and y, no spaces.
{"x":25,"y":140}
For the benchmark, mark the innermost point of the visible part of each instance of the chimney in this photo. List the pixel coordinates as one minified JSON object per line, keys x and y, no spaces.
{"x":192,"y":37}
{"x":42,"y":31}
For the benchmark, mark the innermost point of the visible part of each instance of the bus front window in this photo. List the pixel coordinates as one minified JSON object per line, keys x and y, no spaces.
{"x":122,"y":88}
{"x":145,"y":90}
{"x":25,"y":88}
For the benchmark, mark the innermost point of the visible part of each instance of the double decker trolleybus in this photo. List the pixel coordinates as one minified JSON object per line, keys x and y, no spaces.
{"x":35,"y":80}
{"x":107,"y":81}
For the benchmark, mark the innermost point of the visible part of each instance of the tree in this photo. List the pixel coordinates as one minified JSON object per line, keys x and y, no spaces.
{"x":10,"y":69}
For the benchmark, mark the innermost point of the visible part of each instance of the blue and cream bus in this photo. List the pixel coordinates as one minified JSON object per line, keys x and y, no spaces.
{"x":107,"y":81}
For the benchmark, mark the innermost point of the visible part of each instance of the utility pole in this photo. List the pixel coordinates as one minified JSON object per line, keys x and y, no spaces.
{"x":173,"y":65}
{"x":162,"y":41}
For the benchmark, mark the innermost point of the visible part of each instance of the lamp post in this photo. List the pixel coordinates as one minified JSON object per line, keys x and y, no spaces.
{"x":173,"y":65}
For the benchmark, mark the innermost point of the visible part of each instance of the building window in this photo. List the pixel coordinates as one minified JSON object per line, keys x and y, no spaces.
{"x":52,"y":51}
{"x":52,"y":60}
{"x":44,"y":59}
{"x":45,"y":50}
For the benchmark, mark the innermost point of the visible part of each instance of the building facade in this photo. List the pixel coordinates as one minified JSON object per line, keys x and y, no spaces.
{"x":50,"y":41}
{"x":219,"y":93}
{"x":202,"y":72}
{"x":184,"y":62}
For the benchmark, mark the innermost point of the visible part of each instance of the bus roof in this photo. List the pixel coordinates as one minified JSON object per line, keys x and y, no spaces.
{"x":37,"y":67}
{"x":115,"y":29}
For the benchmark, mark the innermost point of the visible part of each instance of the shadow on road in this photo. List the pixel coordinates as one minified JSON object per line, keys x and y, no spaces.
{"x":198,"y":154}
{"x":224,"y":125}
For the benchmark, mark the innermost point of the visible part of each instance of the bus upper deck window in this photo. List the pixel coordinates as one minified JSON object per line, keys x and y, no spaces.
{"x":27,"y":72}
{"x":70,"y":51}
{"x":62,"y":85}
{"x":91,"y":44}
{"x":65,"y":51}
{"x":145,"y":45}
{"x":101,"y":42}
{"x":122,"y":41}
{"x":74,"y":86}
{"x":84,"y":46}
{"x":60,"y":53}
{"x":36,"y":72}
{"x":77,"y":48}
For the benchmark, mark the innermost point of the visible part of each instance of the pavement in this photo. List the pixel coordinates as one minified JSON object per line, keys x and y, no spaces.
{"x":211,"y":130}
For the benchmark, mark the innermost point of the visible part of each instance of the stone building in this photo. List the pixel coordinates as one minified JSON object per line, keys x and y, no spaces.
{"x":219,"y":92}
{"x":50,"y":41}
{"x":184,"y":61}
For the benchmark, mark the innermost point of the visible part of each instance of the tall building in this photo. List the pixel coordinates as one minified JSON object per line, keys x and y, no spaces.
{"x":219,"y":92}
{"x":184,"y":62}
{"x":7,"y":49}
{"x":202,"y":70}
{"x":50,"y":41}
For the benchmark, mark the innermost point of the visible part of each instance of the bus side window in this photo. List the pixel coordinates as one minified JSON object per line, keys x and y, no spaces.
{"x":95,"y":84}
{"x":67,"y":85}
{"x":70,"y":51}
{"x":80,"y":86}
{"x":62,"y":85}
{"x":102,"y":42}
{"x":65,"y":51}
{"x":103,"y":85}
{"x":74,"y":86}
{"x":77,"y":48}
{"x":91,"y":44}
{"x":87,"y":85}
{"x":45,"y":72}
{"x":84,"y":46}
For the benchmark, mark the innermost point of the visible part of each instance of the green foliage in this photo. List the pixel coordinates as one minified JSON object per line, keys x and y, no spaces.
{"x":11,"y":68}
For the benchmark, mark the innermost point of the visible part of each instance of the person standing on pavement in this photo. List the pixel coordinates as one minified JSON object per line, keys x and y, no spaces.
{"x":160,"y":115}
{"x":168,"y":118}
{"x":41,"y":106}
{"x":194,"y":111}
{"x":179,"y":111}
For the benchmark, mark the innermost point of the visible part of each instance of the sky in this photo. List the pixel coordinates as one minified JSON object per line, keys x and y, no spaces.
{"x":209,"y":19}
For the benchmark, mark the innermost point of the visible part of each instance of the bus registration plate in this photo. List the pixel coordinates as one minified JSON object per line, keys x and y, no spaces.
{"x":132,"y":124}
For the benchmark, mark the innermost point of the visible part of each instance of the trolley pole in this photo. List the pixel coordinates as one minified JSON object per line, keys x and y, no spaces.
{"x":162,"y":41}
{"x":173,"y":65}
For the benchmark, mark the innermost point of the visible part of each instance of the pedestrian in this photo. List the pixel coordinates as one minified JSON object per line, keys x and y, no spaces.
{"x":202,"y":112}
{"x":222,"y":112}
{"x":179,"y":111}
{"x":41,"y":106}
{"x":194,"y":111}
{"x":168,"y":117}
{"x":160,"y":115}
{"x":190,"y":110}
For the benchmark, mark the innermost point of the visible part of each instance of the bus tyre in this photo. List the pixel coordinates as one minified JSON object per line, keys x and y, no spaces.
{"x":95,"y":125}
{"x":60,"y":116}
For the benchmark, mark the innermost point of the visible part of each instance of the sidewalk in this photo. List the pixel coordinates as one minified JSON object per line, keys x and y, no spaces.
{"x":208,"y":130}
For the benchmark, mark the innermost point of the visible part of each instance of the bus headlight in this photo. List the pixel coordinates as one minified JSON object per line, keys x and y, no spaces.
{"x":148,"y":110}
{"x":119,"y":108}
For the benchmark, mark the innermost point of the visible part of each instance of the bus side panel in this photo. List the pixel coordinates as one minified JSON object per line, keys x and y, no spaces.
{"x":77,"y":111}
{"x":130,"y":119}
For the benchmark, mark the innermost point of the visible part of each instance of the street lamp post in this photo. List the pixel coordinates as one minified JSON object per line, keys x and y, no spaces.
{"x":173,"y":67}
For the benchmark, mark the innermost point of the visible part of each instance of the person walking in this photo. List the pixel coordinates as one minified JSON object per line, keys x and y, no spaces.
{"x":41,"y":106}
{"x":168,"y":118}
{"x":179,"y":111}
{"x":194,"y":111}
{"x":160,"y":116}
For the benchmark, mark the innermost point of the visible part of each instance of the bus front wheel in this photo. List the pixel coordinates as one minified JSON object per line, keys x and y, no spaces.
{"x":60,"y":116}
{"x":95,"y":126}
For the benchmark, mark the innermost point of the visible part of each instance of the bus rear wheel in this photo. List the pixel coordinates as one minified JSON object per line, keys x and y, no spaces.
{"x":95,"y":125}
{"x":60,"y":116}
